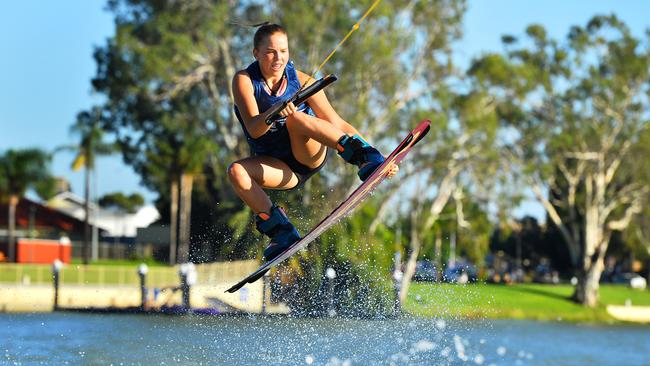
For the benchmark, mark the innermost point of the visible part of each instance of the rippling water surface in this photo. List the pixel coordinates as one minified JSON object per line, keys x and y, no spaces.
{"x":83,"y":339}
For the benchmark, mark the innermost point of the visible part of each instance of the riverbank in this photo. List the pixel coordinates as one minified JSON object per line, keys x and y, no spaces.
{"x":473,"y":301}
{"x":525,"y":301}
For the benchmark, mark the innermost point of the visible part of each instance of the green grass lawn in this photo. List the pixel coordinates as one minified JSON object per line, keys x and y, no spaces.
{"x":97,"y":273}
{"x":525,"y":301}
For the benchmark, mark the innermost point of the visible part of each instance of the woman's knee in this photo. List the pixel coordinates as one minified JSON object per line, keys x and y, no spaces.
{"x":238,"y":174}
{"x":296,"y":119}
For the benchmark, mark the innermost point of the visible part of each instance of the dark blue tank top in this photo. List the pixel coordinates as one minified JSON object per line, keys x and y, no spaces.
{"x":275,"y":142}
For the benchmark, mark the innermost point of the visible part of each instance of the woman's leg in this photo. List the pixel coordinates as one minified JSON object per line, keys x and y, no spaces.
{"x":309,"y":135}
{"x":309,"y":138}
{"x":249,"y":177}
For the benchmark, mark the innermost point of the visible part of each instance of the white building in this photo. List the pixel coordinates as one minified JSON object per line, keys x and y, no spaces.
{"x":115,"y":223}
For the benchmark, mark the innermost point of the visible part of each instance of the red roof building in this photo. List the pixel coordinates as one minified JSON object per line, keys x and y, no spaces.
{"x":36,"y":221}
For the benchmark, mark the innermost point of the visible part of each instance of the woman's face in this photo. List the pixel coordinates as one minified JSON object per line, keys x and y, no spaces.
{"x":273,"y":54}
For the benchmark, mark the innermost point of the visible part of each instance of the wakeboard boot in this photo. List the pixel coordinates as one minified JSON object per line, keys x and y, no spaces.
{"x":355,"y":150}
{"x":276,"y":225}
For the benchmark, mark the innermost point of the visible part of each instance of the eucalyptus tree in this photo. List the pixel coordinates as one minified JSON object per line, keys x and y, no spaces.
{"x":576,"y":109}
{"x":462,"y":159}
{"x":637,"y":235}
{"x":21,"y":170}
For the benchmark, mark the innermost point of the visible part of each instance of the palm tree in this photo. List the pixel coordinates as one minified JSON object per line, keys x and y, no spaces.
{"x":180,"y":162}
{"x":21,"y":170}
{"x":91,"y":144}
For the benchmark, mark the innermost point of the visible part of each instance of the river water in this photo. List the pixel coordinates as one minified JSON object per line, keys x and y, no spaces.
{"x":86,"y":339}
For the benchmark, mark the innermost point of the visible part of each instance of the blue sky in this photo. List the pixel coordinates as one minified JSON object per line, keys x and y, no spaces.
{"x":46,"y":64}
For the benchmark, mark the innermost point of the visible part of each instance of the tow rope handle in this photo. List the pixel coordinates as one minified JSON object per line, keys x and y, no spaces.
{"x":300,"y":97}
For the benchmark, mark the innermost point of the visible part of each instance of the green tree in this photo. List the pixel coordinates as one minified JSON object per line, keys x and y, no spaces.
{"x":578,"y":108}
{"x":467,"y":163}
{"x":21,"y":170}
{"x":122,"y":202}
{"x":164,"y":73}
{"x":637,"y":235}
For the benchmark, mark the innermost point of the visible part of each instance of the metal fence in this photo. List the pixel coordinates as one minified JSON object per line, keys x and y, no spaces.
{"x":121,"y":275}
{"x":117,"y":250}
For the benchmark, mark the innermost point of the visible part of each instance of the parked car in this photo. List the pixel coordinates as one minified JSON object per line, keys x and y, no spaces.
{"x":461,"y":273}
{"x":425,"y":271}
{"x":630,"y":279}
{"x":545,"y":274}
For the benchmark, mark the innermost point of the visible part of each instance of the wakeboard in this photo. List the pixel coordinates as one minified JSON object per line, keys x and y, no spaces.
{"x":347,"y":205}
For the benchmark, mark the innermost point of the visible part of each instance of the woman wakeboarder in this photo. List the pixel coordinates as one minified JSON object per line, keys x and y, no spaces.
{"x":290,"y":150}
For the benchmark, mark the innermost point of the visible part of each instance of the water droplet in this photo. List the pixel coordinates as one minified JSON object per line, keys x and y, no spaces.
{"x":445,"y":352}
{"x":423,"y":346}
{"x":440,"y":324}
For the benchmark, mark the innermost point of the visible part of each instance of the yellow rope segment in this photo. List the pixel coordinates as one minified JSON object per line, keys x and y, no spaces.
{"x":354,"y":28}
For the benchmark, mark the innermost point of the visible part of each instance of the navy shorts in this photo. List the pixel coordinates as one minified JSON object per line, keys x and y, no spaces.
{"x":302,"y":171}
{"x":277,"y":144}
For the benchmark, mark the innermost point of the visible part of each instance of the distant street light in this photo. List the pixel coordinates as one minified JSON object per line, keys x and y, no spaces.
{"x":143,"y":269}
{"x":188,"y":276}
{"x":56,"y":268}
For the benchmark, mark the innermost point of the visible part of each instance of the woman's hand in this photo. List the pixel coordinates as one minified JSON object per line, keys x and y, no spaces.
{"x":288,"y":110}
{"x":393,"y":170}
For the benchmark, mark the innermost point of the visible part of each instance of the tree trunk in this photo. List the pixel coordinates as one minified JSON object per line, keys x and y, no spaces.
{"x":86,"y":242}
{"x":411,"y":264}
{"x":438,"y":256}
{"x":445,"y":190}
{"x":595,"y":246}
{"x":409,"y":271}
{"x":593,"y":264}
{"x":173,"y":220}
{"x":184,"y":219}
{"x":586,"y":291}
{"x":13,"y":202}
